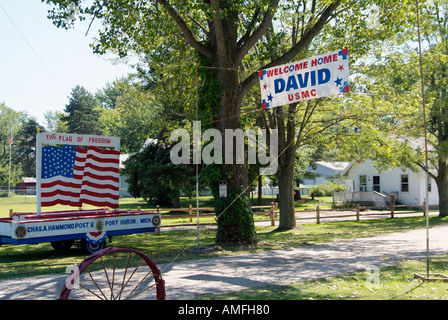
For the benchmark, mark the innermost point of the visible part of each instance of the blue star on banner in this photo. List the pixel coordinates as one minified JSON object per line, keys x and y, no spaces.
{"x":338,"y":82}
{"x":58,"y":161}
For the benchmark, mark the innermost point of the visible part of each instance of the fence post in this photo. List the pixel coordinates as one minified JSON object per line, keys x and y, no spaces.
{"x":272,"y":214}
{"x":158,"y":228}
{"x":11,"y":212}
{"x":190,"y":212}
{"x":275,"y":209}
{"x":357,"y":212}
{"x":392,"y":206}
{"x":318,"y":215}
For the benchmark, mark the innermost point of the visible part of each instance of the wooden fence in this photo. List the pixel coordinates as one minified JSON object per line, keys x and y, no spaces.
{"x":271,"y":211}
{"x":317,"y":214}
{"x":361,"y":211}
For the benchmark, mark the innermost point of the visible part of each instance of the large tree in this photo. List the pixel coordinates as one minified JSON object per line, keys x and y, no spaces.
{"x":232,"y":40}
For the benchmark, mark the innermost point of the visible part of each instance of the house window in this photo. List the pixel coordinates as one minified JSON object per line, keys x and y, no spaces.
{"x":376,"y":183}
{"x":363,"y":183}
{"x":429,"y":186}
{"x":404,"y":183}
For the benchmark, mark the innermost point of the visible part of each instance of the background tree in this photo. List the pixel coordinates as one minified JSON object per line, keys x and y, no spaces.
{"x":25,"y":147}
{"x":136,"y":116}
{"x":153,"y":176}
{"x":53,"y":121}
{"x":82,"y":113}
{"x":9,"y":119}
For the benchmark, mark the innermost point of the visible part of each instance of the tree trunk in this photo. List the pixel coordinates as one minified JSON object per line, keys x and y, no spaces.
{"x":235,"y":221}
{"x":286,"y":198}
{"x":442,"y":186}
{"x":260,"y":190}
{"x":285,"y":173}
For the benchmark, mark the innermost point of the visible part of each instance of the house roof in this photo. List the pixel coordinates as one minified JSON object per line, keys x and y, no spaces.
{"x":336,"y":166}
{"x":328,"y":169}
{"x":28,"y":180}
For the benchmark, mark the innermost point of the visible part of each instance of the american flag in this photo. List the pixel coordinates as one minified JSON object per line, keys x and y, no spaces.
{"x":73,"y":176}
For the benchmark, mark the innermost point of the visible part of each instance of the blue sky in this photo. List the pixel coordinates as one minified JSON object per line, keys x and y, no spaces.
{"x":40,"y":64}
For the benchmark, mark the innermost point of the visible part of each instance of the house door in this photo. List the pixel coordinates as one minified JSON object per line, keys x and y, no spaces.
{"x":376,"y":183}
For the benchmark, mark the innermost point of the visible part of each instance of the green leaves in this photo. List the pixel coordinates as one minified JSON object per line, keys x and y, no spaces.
{"x":82,"y":115}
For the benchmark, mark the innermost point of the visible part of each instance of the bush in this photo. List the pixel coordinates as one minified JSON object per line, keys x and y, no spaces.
{"x":326,"y":189}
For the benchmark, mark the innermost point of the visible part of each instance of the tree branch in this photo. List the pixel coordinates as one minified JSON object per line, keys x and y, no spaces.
{"x":258,"y":33}
{"x":206,"y":32}
{"x":186,"y":31}
{"x":249,"y":27}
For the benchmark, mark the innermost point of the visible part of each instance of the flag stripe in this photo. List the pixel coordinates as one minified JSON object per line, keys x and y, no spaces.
{"x":65,"y":184}
{"x":98,"y":177}
{"x":101,"y":186}
{"x":100,"y":169}
{"x":103,"y":160}
{"x":60,"y":193}
{"x":86,"y":193}
{"x":60,"y":201}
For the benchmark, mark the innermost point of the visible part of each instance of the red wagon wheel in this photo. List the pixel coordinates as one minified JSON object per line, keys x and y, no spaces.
{"x":115,"y":273}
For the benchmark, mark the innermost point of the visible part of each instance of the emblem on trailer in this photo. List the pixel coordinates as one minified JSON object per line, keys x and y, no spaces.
{"x":155,"y":221}
{"x":20,"y":232}
{"x":99,"y":225}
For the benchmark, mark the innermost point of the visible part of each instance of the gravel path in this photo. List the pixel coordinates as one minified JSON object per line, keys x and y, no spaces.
{"x":186,"y":279}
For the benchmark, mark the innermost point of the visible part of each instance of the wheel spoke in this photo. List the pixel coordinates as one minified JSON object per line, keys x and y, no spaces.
{"x":138,"y":285}
{"x":133,"y":273}
{"x":124,"y":276}
{"x":93,"y":293}
{"x":107,"y":278}
{"x":96,"y":285}
{"x":137,"y":293}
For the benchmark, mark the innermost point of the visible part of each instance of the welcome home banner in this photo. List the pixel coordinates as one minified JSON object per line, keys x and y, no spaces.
{"x":316,"y":77}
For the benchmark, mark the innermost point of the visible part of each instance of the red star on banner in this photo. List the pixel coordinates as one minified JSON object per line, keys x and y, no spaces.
{"x":265,"y":87}
{"x":341,"y":67}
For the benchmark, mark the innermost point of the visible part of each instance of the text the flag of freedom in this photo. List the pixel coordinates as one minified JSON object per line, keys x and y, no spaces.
{"x":316,"y":77}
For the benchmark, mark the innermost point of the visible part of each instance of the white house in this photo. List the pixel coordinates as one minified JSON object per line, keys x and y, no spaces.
{"x":123,"y":180}
{"x":406,"y":185}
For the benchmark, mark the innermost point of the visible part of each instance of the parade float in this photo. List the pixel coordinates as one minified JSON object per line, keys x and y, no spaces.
{"x":74,"y":170}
